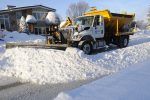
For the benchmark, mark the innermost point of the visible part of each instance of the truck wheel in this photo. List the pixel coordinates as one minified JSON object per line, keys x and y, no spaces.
{"x":123,"y":42}
{"x":87,"y":48}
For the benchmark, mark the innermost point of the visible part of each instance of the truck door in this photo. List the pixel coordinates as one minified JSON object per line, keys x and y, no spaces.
{"x":99,"y":27}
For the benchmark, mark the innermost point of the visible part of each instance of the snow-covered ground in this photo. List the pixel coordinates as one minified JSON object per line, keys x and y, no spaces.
{"x":64,"y":70}
{"x":129,"y":84}
{"x":22,"y":37}
{"x":16,"y":37}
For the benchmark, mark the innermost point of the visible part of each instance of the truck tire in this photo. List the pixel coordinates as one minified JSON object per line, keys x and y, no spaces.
{"x":87,"y":47}
{"x":123,"y":41}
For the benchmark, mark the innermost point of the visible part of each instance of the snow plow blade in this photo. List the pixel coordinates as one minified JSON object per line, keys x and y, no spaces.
{"x":42,"y":46}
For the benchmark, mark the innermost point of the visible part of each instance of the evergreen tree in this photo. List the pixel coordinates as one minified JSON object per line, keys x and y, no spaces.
{"x":22,"y":25}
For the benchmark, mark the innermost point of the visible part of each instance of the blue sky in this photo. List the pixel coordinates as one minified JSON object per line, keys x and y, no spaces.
{"x":139,"y":7}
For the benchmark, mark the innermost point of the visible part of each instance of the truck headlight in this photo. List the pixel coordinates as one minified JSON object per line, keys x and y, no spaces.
{"x":77,"y":37}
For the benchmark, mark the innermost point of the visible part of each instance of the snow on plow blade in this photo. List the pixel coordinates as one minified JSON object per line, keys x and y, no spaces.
{"x":42,"y":46}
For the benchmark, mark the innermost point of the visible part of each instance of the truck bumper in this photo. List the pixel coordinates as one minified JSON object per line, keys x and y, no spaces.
{"x":74,"y":43}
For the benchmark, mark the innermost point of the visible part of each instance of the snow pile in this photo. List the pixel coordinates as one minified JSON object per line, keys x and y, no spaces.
{"x":22,"y":37}
{"x":121,"y":58}
{"x":30,"y":19}
{"x":52,"y":18}
{"x":48,"y":66}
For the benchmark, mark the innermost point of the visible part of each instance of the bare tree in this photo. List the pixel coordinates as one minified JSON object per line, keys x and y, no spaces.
{"x":141,"y":24}
{"x":77,"y":9}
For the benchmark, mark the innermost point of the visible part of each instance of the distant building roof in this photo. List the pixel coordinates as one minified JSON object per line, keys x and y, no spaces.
{"x":10,"y":6}
{"x":26,"y":7}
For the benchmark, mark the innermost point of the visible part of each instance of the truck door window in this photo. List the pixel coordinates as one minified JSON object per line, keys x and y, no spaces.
{"x":101,"y":21}
{"x":87,"y":20}
{"x":96,"y":22}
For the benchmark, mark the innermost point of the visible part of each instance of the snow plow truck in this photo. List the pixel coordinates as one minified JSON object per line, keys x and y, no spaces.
{"x":98,"y":28}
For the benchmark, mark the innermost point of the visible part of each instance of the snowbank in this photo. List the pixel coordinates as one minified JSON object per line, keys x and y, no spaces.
{"x":48,"y":66}
{"x":54,"y":66}
{"x":129,"y":84}
{"x":52,"y":18}
{"x":30,"y":19}
{"x":121,"y":58}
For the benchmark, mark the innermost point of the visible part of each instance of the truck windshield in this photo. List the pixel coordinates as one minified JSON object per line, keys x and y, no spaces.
{"x":87,"y":21}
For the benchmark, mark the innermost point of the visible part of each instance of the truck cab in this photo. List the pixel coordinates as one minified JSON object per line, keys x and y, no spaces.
{"x":89,"y":32}
{"x":88,"y":26}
